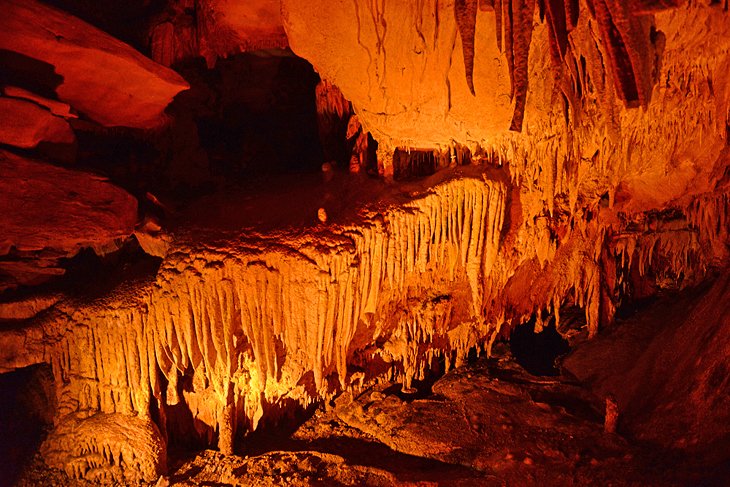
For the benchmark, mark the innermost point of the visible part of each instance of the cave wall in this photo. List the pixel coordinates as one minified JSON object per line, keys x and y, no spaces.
{"x":402,"y":67}
{"x":589,"y":185}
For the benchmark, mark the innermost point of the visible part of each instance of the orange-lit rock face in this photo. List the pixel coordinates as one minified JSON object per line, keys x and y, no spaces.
{"x":648,"y":374}
{"x":56,"y":107}
{"x":106,"y":448}
{"x":216,"y":28}
{"x":598,"y":136}
{"x":25,"y":124}
{"x":101,"y":77}
{"x":402,"y":66}
{"x":67,"y":209}
{"x":50,"y":212}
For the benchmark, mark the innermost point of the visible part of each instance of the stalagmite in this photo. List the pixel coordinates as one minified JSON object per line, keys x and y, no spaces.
{"x":107,"y":448}
{"x":481,"y":165}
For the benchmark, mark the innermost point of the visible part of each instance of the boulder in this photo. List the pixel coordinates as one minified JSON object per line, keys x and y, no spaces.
{"x":24,"y":124}
{"x":103,"y":78}
{"x":48,"y":207}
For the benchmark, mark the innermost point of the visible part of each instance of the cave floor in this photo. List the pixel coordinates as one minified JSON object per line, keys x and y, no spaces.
{"x":486,"y":423}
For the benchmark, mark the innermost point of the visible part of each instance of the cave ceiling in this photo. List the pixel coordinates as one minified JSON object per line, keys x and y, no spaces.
{"x":478,"y":164}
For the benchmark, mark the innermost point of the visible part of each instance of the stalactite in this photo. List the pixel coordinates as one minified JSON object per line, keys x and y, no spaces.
{"x":465,"y":12}
{"x":246,"y":323}
{"x":624,"y":33}
{"x":523,"y":11}
{"x":330,"y":101}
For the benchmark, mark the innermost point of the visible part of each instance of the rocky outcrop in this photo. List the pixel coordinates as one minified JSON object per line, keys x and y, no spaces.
{"x":241,"y":326}
{"x":50,"y":212}
{"x":102,"y":78}
{"x":52,"y":207}
{"x":300,"y":469}
{"x":56,"y":107}
{"x":403,"y":70}
{"x":645,"y":364}
{"x":27,"y":307}
{"x":106,"y":448}
{"x":215,"y":28}
{"x":24,"y":124}
{"x":265,"y":320}
{"x":604,"y":181}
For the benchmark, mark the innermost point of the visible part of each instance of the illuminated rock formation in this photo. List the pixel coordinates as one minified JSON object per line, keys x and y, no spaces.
{"x":263,"y":320}
{"x":106,"y":448}
{"x":215,"y":28}
{"x":403,"y":69}
{"x":89,"y":63}
{"x":647,"y":373}
{"x":570,"y":155}
{"x":25,"y":124}
{"x":56,"y":107}
{"x":50,"y":212}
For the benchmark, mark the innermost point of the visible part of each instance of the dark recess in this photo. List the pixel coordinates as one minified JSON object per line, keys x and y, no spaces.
{"x":26,"y":410}
{"x":537,"y":352}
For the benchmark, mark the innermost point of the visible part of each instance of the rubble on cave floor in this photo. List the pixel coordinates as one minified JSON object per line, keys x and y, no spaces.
{"x":487,"y":423}
{"x":483,"y":424}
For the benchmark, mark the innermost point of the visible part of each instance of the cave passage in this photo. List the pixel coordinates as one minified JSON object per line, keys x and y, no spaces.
{"x":26,"y":411}
{"x":538,"y":352}
{"x":300,"y":242}
{"x":263,"y":116}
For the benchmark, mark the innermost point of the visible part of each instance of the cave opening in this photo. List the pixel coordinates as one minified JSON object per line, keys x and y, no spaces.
{"x":255,"y":113}
{"x":538,"y":351}
{"x":27,"y":402}
{"x":300,"y":242}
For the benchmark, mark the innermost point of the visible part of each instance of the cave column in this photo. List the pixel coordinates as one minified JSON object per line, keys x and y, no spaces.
{"x":385,"y":161}
{"x":226,"y":423}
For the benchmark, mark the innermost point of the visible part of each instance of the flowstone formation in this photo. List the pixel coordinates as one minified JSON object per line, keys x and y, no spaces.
{"x":232,"y":331}
{"x":536,"y":160}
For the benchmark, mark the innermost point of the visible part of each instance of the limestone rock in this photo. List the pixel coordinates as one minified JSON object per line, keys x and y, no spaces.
{"x":27,"y":307}
{"x":403,"y":69}
{"x":51,"y":212}
{"x":24,"y":124}
{"x":106,"y":448}
{"x":646,"y":364}
{"x":56,"y":107}
{"x":296,"y":469}
{"x":497,"y":419}
{"x":102,"y":77}
{"x":219,"y":28}
{"x":45,"y":206}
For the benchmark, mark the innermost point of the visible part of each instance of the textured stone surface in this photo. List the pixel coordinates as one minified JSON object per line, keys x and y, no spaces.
{"x":102,"y":78}
{"x":27,"y":307}
{"x":297,"y":469}
{"x":56,"y":107}
{"x":402,"y":67}
{"x":645,"y":364}
{"x":106,"y":448}
{"x":45,"y":206}
{"x":598,"y":143}
{"x":24,"y":124}
{"x":250,"y":322}
{"x":50,"y":213}
{"x":219,"y":28}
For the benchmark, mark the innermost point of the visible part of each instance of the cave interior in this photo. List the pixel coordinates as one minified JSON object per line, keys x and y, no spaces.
{"x":382,"y":243}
